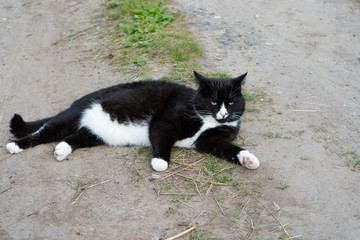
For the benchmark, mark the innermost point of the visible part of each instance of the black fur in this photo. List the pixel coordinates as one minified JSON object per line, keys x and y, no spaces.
{"x":172,"y":110}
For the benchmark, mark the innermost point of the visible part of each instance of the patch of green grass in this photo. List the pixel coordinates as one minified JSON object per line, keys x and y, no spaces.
{"x":144,"y":32}
{"x":240,"y":204}
{"x":318,"y":129}
{"x":247,"y":189}
{"x":148,"y":79}
{"x":257,"y":95}
{"x":200,"y":235}
{"x":170,"y":211}
{"x":249,"y":97}
{"x":139,"y":19}
{"x":282,"y":187}
{"x":165,"y":186}
{"x":140,"y":61}
{"x":216,"y":169}
{"x":218,"y":75}
{"x":354,"y":159}
{"x":212,"y":163}
{"x":272,"y":135}
{"x":182,"y":50}
{"x":181,"y":73}
{"x":186,"y":198}
{"x":124,"y":5}
{"x":144,"y":151}
{"x":214,"y":215}
{"x":219,"y":199}
{"x":236,"y":215}
{"x":223,"y":178}
{"x":298,"y":133}
{"x":252,"y":110}
{"x":230,"y":224}
{"x":247,"y":119}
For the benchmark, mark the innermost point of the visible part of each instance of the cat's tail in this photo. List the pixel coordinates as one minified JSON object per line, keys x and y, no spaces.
{"x":20,"y":128}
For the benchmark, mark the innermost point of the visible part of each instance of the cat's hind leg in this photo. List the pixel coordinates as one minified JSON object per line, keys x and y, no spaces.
{"x":51,"y":131}
{"x":82,"y":138}
{"x":44,"y":134}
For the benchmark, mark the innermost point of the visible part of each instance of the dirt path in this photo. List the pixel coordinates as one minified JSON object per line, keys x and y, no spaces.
{"x":303,"y":55}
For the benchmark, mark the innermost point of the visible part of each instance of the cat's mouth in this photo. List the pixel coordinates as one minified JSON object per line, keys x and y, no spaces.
{"x":225,"y":119}
{"x":228,"y":118}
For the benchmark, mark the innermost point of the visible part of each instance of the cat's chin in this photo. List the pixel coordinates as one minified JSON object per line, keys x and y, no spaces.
{"x":222,"y":120}
{"x":226,"y":120}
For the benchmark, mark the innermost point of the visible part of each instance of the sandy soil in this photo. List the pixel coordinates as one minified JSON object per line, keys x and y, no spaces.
{"x":303,"y":54}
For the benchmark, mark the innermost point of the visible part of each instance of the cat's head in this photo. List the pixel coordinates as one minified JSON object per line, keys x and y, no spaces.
{"x":220,"y":98}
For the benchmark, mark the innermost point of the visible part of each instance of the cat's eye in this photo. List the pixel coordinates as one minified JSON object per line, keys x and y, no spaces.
{"x":213,"y":103}
{"x":231,"y":103}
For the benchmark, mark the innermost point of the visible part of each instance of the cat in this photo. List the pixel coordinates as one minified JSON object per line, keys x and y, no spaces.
{"x":159,"y":114}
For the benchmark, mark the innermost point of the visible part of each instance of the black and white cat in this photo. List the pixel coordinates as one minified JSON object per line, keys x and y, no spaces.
{"x":159,"y":114}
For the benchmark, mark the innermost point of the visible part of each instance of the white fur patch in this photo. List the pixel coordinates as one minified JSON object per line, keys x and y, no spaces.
{"x":39,"y":130}
{"x":208,"y":123}
{"x":13,"y":148}
{"x":223,"y":113}
{"x":159,"y":164}
{"x":112,"y":132}
{"x":248,"y":160}
{"x":62,"y":150}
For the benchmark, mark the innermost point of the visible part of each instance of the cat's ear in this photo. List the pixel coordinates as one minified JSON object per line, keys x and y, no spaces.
{"x":200,"y":78}
{"x":239,"y":80}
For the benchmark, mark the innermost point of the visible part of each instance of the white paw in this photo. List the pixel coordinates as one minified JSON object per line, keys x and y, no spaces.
{"x":248,"y":160}
{"x":62,"y":150}
{"x":13,"y":148}
{"x":159,"y":164}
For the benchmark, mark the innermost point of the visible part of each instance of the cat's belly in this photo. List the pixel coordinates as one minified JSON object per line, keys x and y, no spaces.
{"x":112,"y":132}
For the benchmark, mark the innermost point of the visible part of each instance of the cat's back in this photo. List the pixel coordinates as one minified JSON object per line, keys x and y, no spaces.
{"x":155,"y":90}
{"x":141,"y":91}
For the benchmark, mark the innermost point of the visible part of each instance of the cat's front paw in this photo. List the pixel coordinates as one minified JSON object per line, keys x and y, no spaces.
{"x":62,"y":150}
{"x":248,"y":160}
{"x":159,"y":164}
{"x":13,"y":148}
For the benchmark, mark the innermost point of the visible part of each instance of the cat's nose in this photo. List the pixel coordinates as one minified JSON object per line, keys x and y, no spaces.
{"x":222,"y":114}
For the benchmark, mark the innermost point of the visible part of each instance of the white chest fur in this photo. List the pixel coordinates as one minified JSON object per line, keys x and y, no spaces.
{"x":209,"y":122}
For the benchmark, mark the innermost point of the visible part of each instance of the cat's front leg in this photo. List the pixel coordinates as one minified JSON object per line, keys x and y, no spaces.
{"x":159,"y":164}
{"x":161,"y":156}
{"x":161,"y":144}
{"x":223,"y":148}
